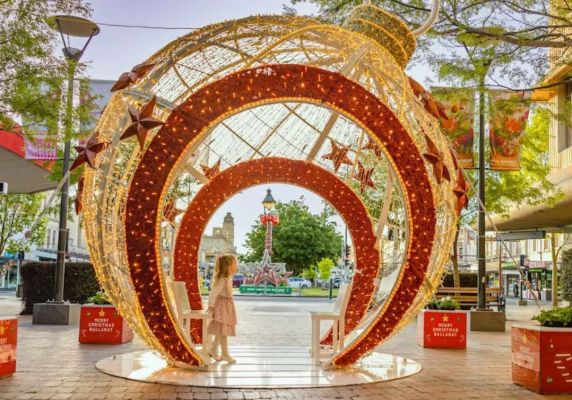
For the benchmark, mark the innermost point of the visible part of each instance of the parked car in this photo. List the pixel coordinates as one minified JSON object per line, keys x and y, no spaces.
{"x":237,"y":280}
{"x":299,"y":283}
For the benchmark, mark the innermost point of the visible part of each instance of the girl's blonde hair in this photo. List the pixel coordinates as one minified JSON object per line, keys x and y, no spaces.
{"x":222,"y":266}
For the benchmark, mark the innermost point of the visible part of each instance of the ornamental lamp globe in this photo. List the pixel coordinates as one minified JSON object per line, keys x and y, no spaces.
{"x":268,"y":203}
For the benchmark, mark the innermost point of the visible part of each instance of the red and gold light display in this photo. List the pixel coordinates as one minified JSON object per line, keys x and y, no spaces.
{"x":279,"y":170}
{"x":236,"y":92}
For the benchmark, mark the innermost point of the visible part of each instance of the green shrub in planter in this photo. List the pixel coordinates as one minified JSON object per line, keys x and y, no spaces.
{"x":556,"y":317}
{"x":433,"y":304}
{"x":448,"y":303}
{"x":100,"y":298}
{"x":38,"y":283}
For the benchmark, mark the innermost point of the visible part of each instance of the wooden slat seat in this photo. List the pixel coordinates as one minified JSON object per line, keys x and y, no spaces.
{"x":468,"y":296}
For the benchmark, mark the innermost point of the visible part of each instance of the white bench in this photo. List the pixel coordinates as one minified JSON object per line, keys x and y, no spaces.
{"x":186,"y":314}
{"x":337,"y":316}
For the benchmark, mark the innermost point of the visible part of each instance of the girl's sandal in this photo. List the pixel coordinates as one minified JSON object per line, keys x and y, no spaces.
{"x":227,"y":358}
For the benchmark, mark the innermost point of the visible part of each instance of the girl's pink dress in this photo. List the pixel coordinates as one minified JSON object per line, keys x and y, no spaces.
{"x":223,"y":322}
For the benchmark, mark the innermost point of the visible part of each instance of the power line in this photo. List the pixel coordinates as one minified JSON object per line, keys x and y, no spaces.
{"x":147,"y":26}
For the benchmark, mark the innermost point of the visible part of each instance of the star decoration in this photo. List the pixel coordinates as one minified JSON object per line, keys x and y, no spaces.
{"x":445,"y":318}
{"x":373,"y":147}
{"x":141,"y":121}
{"x":435,"y":157}
{"x":417,"y":88}
{"x":171,"y":211}
{"x":87,"y":152}
{"x":78,"y":202}
{"x":364,"y":176}
{"x":460,"y":191}
{"x":211,"y":171}
{"x":432,"y":106}
{"x":338,"y":155}
{"x":266,"y":274}
{"x":101,"y":313}
{"x":455,"y":159}
{"x":128,"y":78}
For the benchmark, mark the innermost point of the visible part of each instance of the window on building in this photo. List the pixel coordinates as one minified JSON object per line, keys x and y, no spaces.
{"x":54,"y":240}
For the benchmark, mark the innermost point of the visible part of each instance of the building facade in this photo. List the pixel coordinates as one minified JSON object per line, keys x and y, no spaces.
{"x":220,"y":241}
{"x":555,"y":219}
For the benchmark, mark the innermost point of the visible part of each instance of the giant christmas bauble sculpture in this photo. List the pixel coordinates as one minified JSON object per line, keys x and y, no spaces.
{"x":273,"y":99}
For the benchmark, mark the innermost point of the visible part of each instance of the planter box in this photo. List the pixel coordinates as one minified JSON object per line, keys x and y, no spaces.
{"x":542,"y":358}
{"x":8,"y":341}
{"x":442,"y":329}
{"x":103,"y":324}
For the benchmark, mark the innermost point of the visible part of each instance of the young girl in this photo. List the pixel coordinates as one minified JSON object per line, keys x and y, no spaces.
{"x":221,"y":307}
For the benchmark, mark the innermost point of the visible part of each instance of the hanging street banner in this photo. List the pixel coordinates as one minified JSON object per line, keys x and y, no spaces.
{"x":508,"y":113}
{"x":40,"y":147}
{"x":460,"y":107}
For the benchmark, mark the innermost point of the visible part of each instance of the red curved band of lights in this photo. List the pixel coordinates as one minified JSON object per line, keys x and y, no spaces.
{"x":279,"y":170}
{"x":227,"y":96}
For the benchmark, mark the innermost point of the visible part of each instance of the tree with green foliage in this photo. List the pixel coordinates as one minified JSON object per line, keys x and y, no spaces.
{"x":325,"y":266}
{"x":310,"y":273}
{"x":524,"y":28}
{"x":18,"y":214}
{"x":300,"y":240}
{"x":32,"y":74}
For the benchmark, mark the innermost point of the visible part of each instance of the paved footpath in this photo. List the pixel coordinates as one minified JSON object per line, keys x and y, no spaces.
{"x":53,"y":365}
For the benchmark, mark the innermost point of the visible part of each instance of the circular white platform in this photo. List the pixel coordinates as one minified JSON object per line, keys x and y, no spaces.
{"x":259,"y":367}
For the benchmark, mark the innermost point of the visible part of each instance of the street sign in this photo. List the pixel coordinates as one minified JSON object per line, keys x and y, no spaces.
{"x":520,"y":235}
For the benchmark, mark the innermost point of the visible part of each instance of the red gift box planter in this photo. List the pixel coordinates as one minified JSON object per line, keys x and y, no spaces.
{"x":103,"y":324}
{"x":8,"y":341}
{"x":542,"y":358}
{"x":442,"y":329}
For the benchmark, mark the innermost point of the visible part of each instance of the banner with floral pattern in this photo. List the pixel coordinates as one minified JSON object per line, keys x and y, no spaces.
{"x":460,"y":107}
{"x":508,"y":113}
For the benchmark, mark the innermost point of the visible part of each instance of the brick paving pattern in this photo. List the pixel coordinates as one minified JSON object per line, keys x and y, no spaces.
{"x":53,"y":365}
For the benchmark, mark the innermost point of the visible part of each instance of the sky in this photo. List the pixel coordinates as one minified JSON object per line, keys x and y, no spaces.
{"x":116,"y":49}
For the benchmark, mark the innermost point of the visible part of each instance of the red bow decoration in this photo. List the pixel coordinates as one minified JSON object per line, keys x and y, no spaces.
{"x":128,"y":78}
{"x":364,"y":176}
{"x":78,"y":202}
{"x":170,"y":212}
{"x":338,"y":155}
{"x":460,"y":191}
{"x":211,"y":171}
{"x":141,"y":121}
{"x":435,"y":157}
{"x":87,"y":152}
{"x":373,"y":147}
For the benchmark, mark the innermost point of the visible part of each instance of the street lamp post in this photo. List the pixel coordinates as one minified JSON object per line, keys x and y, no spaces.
{"x":78,"y":27}
{"x":483,"y":318}
{"x":58,"y":312}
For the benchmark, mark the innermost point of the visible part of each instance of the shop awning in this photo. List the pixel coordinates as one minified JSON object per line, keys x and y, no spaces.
{"x":557,"y":217}
{"x":23,"y":176}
